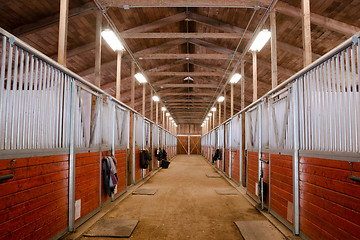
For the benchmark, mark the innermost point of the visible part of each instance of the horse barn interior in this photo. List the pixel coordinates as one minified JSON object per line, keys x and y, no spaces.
{"x":180,"y":119}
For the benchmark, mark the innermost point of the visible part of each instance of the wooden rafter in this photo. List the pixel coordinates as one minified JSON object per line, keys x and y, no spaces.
{"x":181,"y":35}
{"x":51,"y":20}
{"x":184,"y":74}
{"x":319,"y":20}
{"x":184,"y":3}
{"x":185,"y":56}
{"x":187,"y":85}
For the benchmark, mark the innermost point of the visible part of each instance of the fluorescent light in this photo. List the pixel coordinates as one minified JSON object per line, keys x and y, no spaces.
{"x":235,"y":78}
{"x":171,"y":118}
{"x":260,"y":40}
{"x":167,"y":114}
{"x":155,"y":98}
{"x":213,"y":109}
{"x":140,"y":77}
{"x":209,"y":114}
{"x":221,"y":99}
{"x":163,"y":109}
{"x":188,"y":79}
{"x":207,"y":118}
{"x":112,"y":40}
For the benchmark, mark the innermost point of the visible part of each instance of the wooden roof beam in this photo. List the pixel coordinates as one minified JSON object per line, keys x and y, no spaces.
{"x":156,"y":24}
{"x":185,"y":3}
{"x":181,"y":35}
{"x":186,"y":94}
{"x":185,"y":56}
{"x":184,"y":74}
{"x":195,"y":85}
{"x":319,"y":20}
{"x":51,"y":20}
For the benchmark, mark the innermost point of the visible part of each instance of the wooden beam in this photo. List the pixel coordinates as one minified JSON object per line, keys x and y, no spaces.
{"x":212,"y":46}
{"x":143,"y":99}
{"x":151,"y":104}
{"x":273,"y":49}
{"x":160,"y":47}
{"x":132,"y":75}
{"x":254,"y":76}
{"x":184,"y":56}
{"x":184,"y":101}
{"x":184,"y":3}
{"x":181,"y":35}
{"x":184,"y":74}
{"x":63,"y":30}
{"x":294,"y":50}
{"x":118,"y":75}
{"x":183,"y":85}
{"x":157,"y":24}
{"x":306,"y":31}
{"x":77,"y":50}
{"x":208,"y":66}
{"x":231,"y":99}
{"x":217,"y":24}
{"x":187,"y":94}
{"x":319,"y":20}
{"x":98,"y":49}
{"x":242,"y":84}
{"x":164,"y":67}
{"x":52,"y":20}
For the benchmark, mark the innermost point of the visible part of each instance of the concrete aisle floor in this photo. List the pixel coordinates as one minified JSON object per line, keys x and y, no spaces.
{"x":186,"y":205}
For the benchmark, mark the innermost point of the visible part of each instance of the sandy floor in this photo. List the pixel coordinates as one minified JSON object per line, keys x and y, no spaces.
{"x":186,"y":205}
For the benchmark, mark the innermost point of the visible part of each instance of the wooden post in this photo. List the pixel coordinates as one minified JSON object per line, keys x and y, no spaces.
{"x":98,"y":49}
{"x":213,"y":119}
{"x":151,"y":104}
{"x":132,"y":85}
{"x":242,"y":84}
{"x":273,"y":48}
{"x":143,"y":99}
{"x":163,"y":119}
{"x":118,"y":75}
{"x":157,"y":113}
{"x":254,"y":76}
{"x":306,"y":31}
{"x":225,"y":104}
{"x":219,"y":113}
{"x":232,"y":99}
{"x":63,"y":29}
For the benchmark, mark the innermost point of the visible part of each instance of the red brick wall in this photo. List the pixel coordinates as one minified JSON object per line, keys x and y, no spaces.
{"x":281,"y":185}
{"x":329,"y":200}
{"x":235,"y":168}
{"x":34,"y":204}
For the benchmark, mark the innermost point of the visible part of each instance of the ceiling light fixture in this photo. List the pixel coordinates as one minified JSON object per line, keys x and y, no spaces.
{"x":213,"y":109}
{"x":155,"y":98}
{"x":163,"y":109}
{"x":209,"y":114}
{"x":235,"y":78}
{"x":261,"y":39}
{"x":221,"y":99}
{"x":167,"y":114}
{"x":112,"y":40}
{"x":140,"y":77}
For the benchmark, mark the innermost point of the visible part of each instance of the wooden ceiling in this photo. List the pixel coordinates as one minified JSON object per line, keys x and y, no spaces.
{"x":171,"y":42}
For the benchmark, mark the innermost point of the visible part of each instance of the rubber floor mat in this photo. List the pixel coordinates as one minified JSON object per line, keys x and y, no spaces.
{"x":112,"y":228}
{"x":258,"y":230}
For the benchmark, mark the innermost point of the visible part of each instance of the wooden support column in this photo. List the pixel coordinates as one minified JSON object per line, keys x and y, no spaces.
{"x":306,"y":31}
{"x":213,"y":119}
{"x":151,"y":105}
{"x":132,"y":103}
{"x":163,"y":119}
{"x":225,"y":104}
{"x":63,"y":29}
{"x":98,"y":49}
{"x":273,"y":49}
{"x":232,"y":99}
{"x":254,"y":76}
{"x":242,"y":84}
{"x":143,"y":99}
{"x":118,"y":75}
{"x":157,"y":113}
{"x":219,"y":113}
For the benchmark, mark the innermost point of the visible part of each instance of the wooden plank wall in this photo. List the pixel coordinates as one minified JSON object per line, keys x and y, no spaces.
{"x":252,"y":178}
{"x":34,"y":204}
{"x":235,"y":167}
{"x":282,"y":186}
{"x":329,"y":200}
{"x":182,"y":146}
{"x":189,"y":129}
{"x":195,"y":144}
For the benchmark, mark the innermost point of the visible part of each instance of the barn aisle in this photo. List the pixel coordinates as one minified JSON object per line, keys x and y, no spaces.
{"x":186,"y":205}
